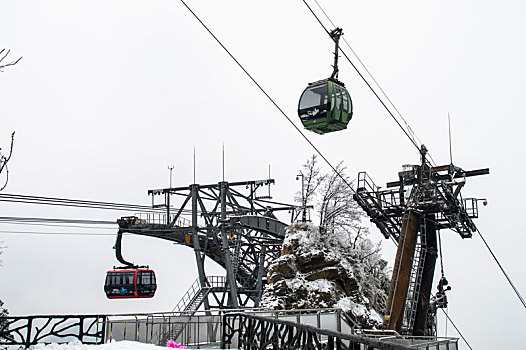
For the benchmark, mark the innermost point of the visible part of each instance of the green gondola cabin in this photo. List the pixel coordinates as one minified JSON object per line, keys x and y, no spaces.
{"x":325,"y":106}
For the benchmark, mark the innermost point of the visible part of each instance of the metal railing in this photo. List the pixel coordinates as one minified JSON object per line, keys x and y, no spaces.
{"x":188,"y":296}
{"x":31,"y":330}
{"x":366,"y":183}
{"x":415,"y":342}
{"x":195,"y":289}
{"x":195,"y":329}
{"x":160,"y":219}
{"x":204,"y":328}
{"x":252,"y":332}
{"x":192,"y":330}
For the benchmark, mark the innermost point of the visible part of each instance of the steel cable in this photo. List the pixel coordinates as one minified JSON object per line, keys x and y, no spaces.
{"x":267,"y":95}
{"x":365,"y":80}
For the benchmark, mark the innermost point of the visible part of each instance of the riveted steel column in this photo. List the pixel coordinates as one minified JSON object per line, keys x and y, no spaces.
{"x":402,"y":272}
{"x":223,"y":186}
{"x":194,"y":189}
{"x":261,"y":272}
{"x":428,"y":272}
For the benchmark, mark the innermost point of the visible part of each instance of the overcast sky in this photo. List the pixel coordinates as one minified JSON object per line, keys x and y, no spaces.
{"x":109,"y":93}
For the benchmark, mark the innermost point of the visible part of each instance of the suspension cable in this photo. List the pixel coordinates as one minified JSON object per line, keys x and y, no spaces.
{"x":28,"y":220}
{"x":496,"y":260}
{"x":55,"y":233}
{"x":410,"y":130}
{"x":268,"y":96}
{"x":502,"y":269}
{"x":365,"y":81}
{"x":412,"y":141}
{"x":77,"y":203}
{"x":458,"y":330}
{"x":28,"y":199}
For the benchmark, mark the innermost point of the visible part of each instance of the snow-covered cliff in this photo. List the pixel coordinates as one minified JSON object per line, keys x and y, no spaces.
{"x":322,"y":270}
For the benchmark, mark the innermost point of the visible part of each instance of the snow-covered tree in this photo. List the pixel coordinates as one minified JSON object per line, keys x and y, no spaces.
{"x":332,"y":197}
{"x":340,"y":220}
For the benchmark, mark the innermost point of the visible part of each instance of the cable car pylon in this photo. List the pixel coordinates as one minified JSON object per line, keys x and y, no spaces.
{"x":325,"y":105}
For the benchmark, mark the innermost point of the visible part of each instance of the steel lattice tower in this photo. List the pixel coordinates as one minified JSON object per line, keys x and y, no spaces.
{"x":225,"y":222}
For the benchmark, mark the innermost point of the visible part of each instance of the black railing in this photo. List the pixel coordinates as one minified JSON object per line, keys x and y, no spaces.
{"x":31,"y":330}
{"x":250,"y":332}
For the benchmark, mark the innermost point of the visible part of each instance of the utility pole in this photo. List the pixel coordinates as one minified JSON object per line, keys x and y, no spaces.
{"x":170,"y":168}
{"x":303,"y":199}
{"x":168,"y":197}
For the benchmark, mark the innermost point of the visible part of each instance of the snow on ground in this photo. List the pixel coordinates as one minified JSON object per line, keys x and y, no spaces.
{"x":115,"y":345}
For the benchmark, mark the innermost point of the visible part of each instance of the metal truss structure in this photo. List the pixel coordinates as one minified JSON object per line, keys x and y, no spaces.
{"x":225,"y":222}
{"x":425,"y":200}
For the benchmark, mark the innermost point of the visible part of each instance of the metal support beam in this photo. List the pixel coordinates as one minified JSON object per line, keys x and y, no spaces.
{"x":261,"y":272}
{"x":428,"y":199}
{"x":195,"y":241}
{"x":226,"y":249}
{"x":402,"y":272}
{"x":426,"y":284}
{"x":227,"y":223}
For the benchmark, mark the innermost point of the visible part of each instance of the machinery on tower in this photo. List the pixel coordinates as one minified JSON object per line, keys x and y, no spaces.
{"x":412,"y":211}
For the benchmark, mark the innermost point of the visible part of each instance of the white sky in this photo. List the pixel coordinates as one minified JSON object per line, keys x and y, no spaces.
{"x":109,"y":93}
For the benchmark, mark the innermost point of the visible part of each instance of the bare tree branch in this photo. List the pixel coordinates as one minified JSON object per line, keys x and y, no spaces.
{"x":4,"y":160}
{"x":341,"y":221}
{"x":311,"y":181}
{"x":12,"y":63}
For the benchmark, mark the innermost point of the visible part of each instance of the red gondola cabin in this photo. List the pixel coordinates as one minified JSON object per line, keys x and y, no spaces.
{"x":130,"y":283}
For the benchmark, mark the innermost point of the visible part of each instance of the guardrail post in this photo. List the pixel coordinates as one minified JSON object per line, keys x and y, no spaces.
{"x":81,"y":328}
{"x":28,"y":334}
{"x":136,"y":328}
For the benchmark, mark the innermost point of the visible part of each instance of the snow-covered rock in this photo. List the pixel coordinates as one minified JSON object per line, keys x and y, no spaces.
{"x":322,"y":270}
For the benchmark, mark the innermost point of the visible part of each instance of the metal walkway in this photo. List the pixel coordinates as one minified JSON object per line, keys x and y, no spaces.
{"x":197,"y":330}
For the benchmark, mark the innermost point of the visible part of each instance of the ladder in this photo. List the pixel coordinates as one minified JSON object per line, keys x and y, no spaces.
{"x":415,"y":280}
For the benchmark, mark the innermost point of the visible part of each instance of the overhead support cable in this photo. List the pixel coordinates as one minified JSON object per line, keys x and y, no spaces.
{"x":17,"y":198}
{"x":17,"y":219}
{"x":410,"y":130}
{"x":502,"y":269}
{"x":515,"y":289}
{"x":413,"y":141}
{"x":56,"y":225}
{"x":267,"y":95}
{"x":67,"y":202}
{"x":55,"y":233}
{"x":458,"y":330}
